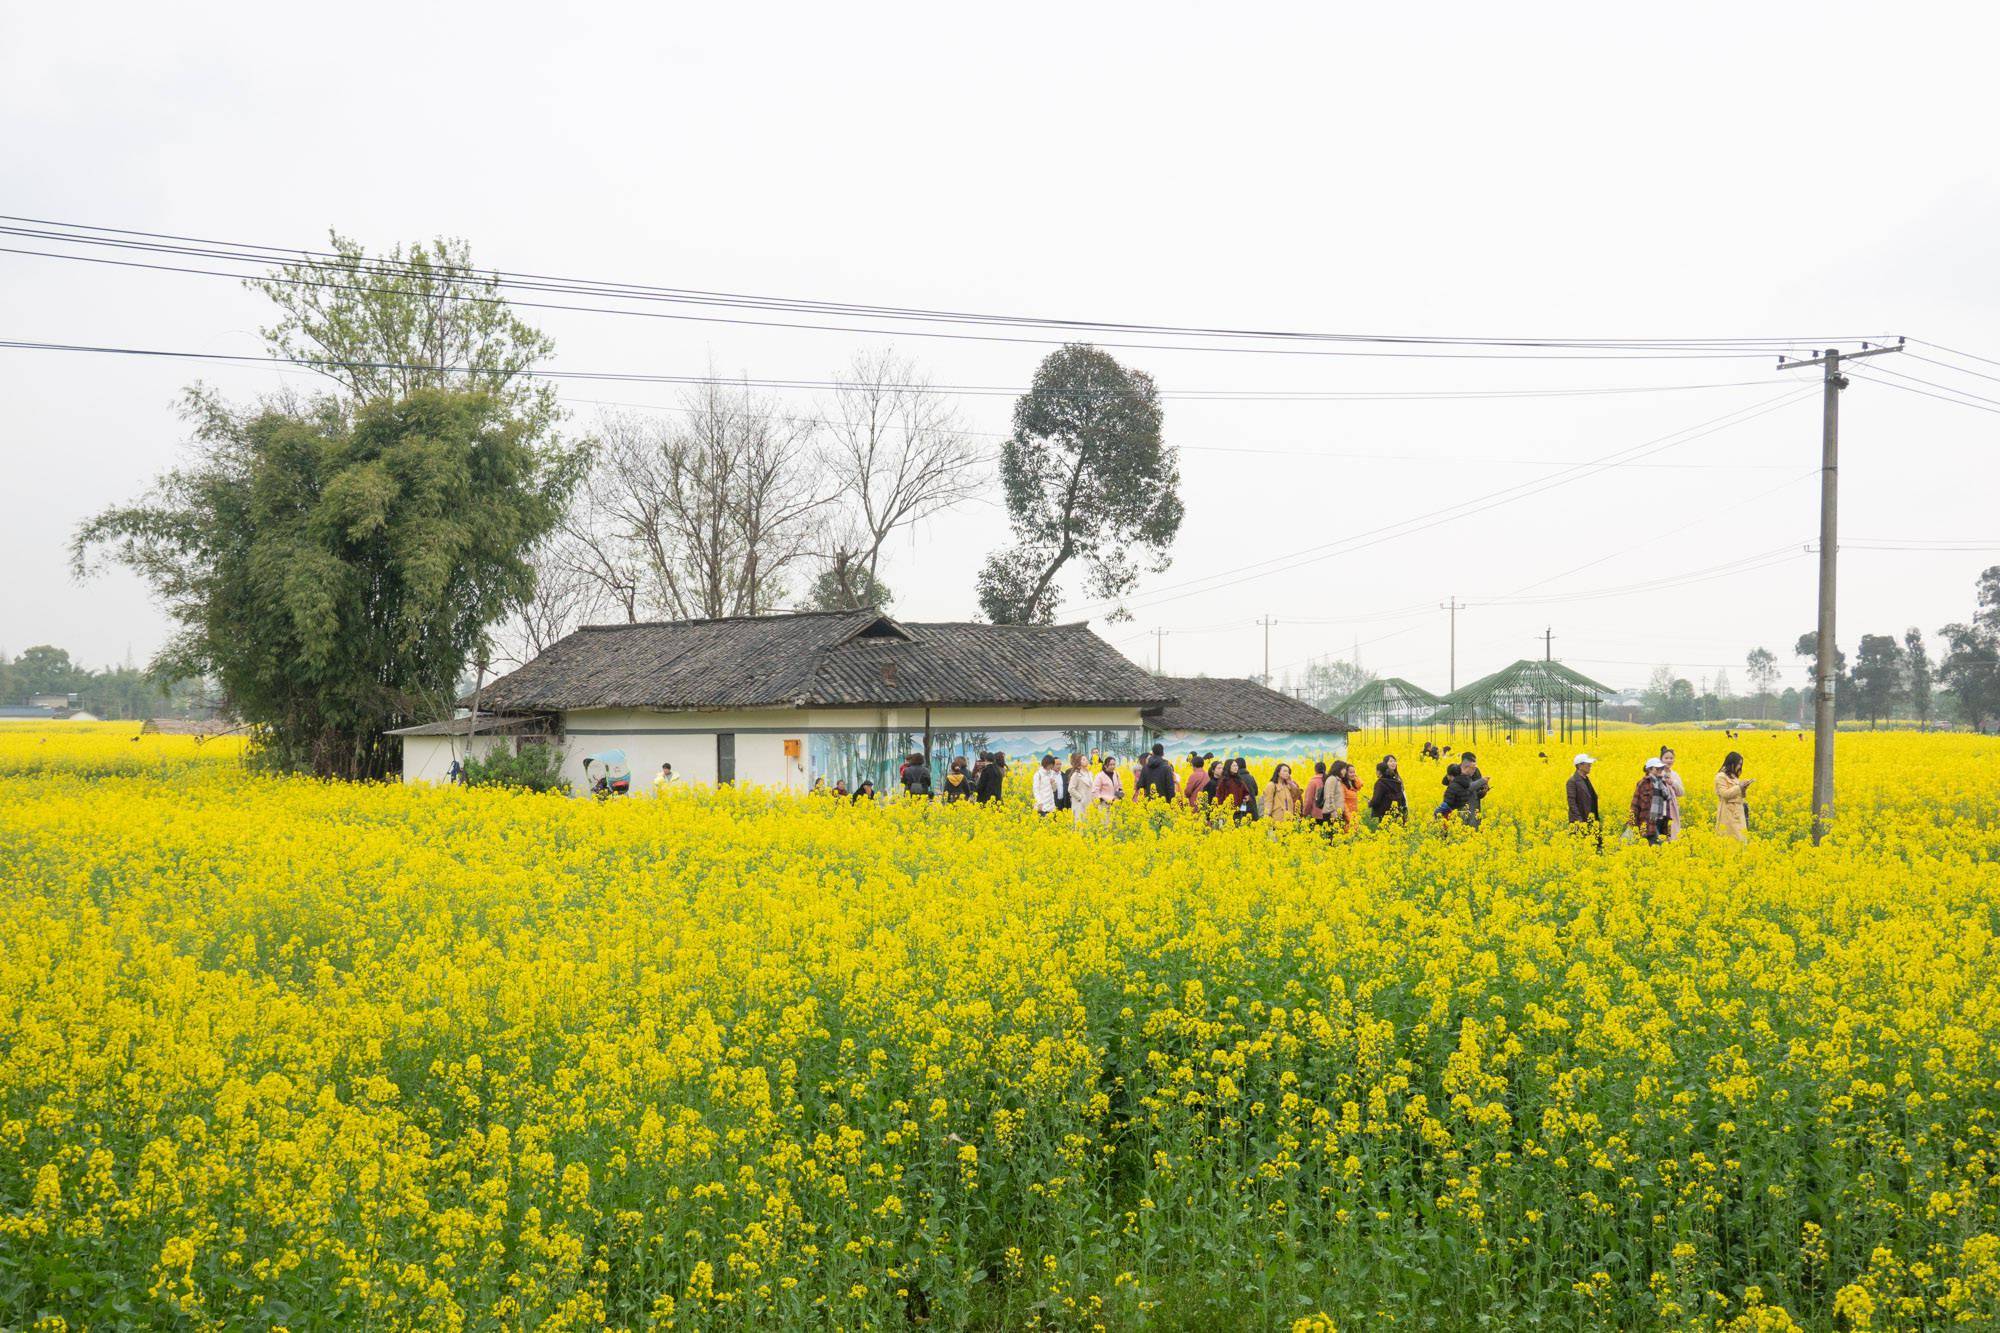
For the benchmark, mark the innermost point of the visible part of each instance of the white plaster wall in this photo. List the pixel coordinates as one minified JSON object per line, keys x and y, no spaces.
{"x":428,"y":758}
{"x":687,"y":740}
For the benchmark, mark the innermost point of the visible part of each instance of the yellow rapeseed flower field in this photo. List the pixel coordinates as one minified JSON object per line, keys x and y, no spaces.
{"x":277,"y":1053}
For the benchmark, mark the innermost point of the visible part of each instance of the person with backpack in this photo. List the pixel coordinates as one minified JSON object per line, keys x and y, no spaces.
{"x":916,"y":775}
{"x":957,"y":781}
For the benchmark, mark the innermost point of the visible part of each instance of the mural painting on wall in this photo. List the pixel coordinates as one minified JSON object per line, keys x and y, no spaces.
{"x":1251,"y":744}
{"x":877,"y":755}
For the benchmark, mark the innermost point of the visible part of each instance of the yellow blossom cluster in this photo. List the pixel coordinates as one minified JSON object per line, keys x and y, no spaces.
{"x":279,"y":1053}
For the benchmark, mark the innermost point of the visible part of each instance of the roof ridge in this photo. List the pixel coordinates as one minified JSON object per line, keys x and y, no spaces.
{"x":729,"y":620}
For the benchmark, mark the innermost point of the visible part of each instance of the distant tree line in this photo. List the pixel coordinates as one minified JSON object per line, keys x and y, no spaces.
{"x":1889,"y":677}
{"x":107,"y":692}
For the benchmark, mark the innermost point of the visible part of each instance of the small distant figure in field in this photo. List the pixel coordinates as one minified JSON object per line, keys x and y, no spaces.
{"x":840,"y":786}
{"x":1732,"y":807}
{"x":664,"y":778}
{"x":1674,"y":783}
{"x":456,"y":773}
{"x":991,"y":779}
{"x":1653,"y":804}
{"x":1465,"y":789}
{"x":915,"y":775}
{"x":1313,"y":804}
{"x":957,"y":781}
{"x":1285,"y":800}
{"x":1388,"y":794}
{"x":864,"y":792}
{"x":1048,"y":786}
{"x":1431,"y":750}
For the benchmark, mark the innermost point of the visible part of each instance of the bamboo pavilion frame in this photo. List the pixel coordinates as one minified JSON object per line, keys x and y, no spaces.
{"x":1531,"y":695}
{"x":1390,"y":703}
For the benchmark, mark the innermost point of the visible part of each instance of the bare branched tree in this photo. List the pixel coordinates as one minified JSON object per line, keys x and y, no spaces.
{"x":700,"y":517}
{"x":897,"y":454}
{"x":569,"y":591}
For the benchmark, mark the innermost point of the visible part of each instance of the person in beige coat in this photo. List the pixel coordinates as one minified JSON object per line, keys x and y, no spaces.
{"x":1732,"y":816}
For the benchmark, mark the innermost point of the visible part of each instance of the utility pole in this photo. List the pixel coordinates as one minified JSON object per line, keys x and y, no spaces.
{"x":1159,"y":651}
{"x":1829,"y":553}
{"x":1453,"y":607}
{"x":1548,"y":655}
{"x":1266,"y":623}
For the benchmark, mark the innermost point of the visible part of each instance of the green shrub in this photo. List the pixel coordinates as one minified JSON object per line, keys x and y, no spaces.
{"x":535,"y":768}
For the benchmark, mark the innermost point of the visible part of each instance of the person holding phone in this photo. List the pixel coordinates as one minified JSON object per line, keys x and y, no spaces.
{"x":1732,"y":813}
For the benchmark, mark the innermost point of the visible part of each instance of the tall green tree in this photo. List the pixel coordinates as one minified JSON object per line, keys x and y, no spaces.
{"x":422,"y":317}
{"x":336,"y":571}
{"x":1088,"y":480}
{"x":46,"y":669}
{"x":1970,"y":668}
{"x":1762,"y":667}
{"x":1878,"y":676}
{"x":1917,"y":675}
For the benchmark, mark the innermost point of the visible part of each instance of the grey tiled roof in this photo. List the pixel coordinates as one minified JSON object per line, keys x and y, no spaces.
{"x":825,"y":660}
{"x":1227,"y":705}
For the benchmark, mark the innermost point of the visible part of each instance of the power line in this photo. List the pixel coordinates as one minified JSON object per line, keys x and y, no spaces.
{"x":1963,"y":393}
{"x":1450,"y":513}
{"x":1953,"y":351}
{"x":168,"y":244}
{"x":647,"y":377}
{"x":1925,"y":393}
{"x":1960,"y":370}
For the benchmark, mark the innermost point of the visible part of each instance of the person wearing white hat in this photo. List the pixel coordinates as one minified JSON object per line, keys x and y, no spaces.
{"x":1583,"y":797}
{"x":1652,"y":804}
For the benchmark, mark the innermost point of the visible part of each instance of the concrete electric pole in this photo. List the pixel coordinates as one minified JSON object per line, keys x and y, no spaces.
{"x":1829,"y":559}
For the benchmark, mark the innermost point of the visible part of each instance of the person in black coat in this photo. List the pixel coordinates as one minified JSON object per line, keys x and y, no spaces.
{"x":1582,"y":792}
{"x":1388,"y":794}
{"x":1465,"y":790}
{"x":1156,"y":775}
{"x":958,"y":785}
{"x":916,"y":775}
{"x":992,"y":778}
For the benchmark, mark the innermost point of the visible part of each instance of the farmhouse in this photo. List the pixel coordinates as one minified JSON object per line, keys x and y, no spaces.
{"x":1228,"y":717}
{"x":782,"y":700}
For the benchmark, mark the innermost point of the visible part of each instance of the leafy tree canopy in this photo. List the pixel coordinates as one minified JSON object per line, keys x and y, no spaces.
{"x":1088,"y":479}
{"x":335,"y":572}
{"x":384,"y":326}
{"x":847,"y":586}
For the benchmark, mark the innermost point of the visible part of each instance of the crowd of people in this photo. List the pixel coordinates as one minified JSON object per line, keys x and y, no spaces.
{"x":1331,"y":797}
{"x":1654,"y":812}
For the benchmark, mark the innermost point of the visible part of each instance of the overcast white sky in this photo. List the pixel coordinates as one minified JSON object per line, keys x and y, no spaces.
{"x":1542,"y":170}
